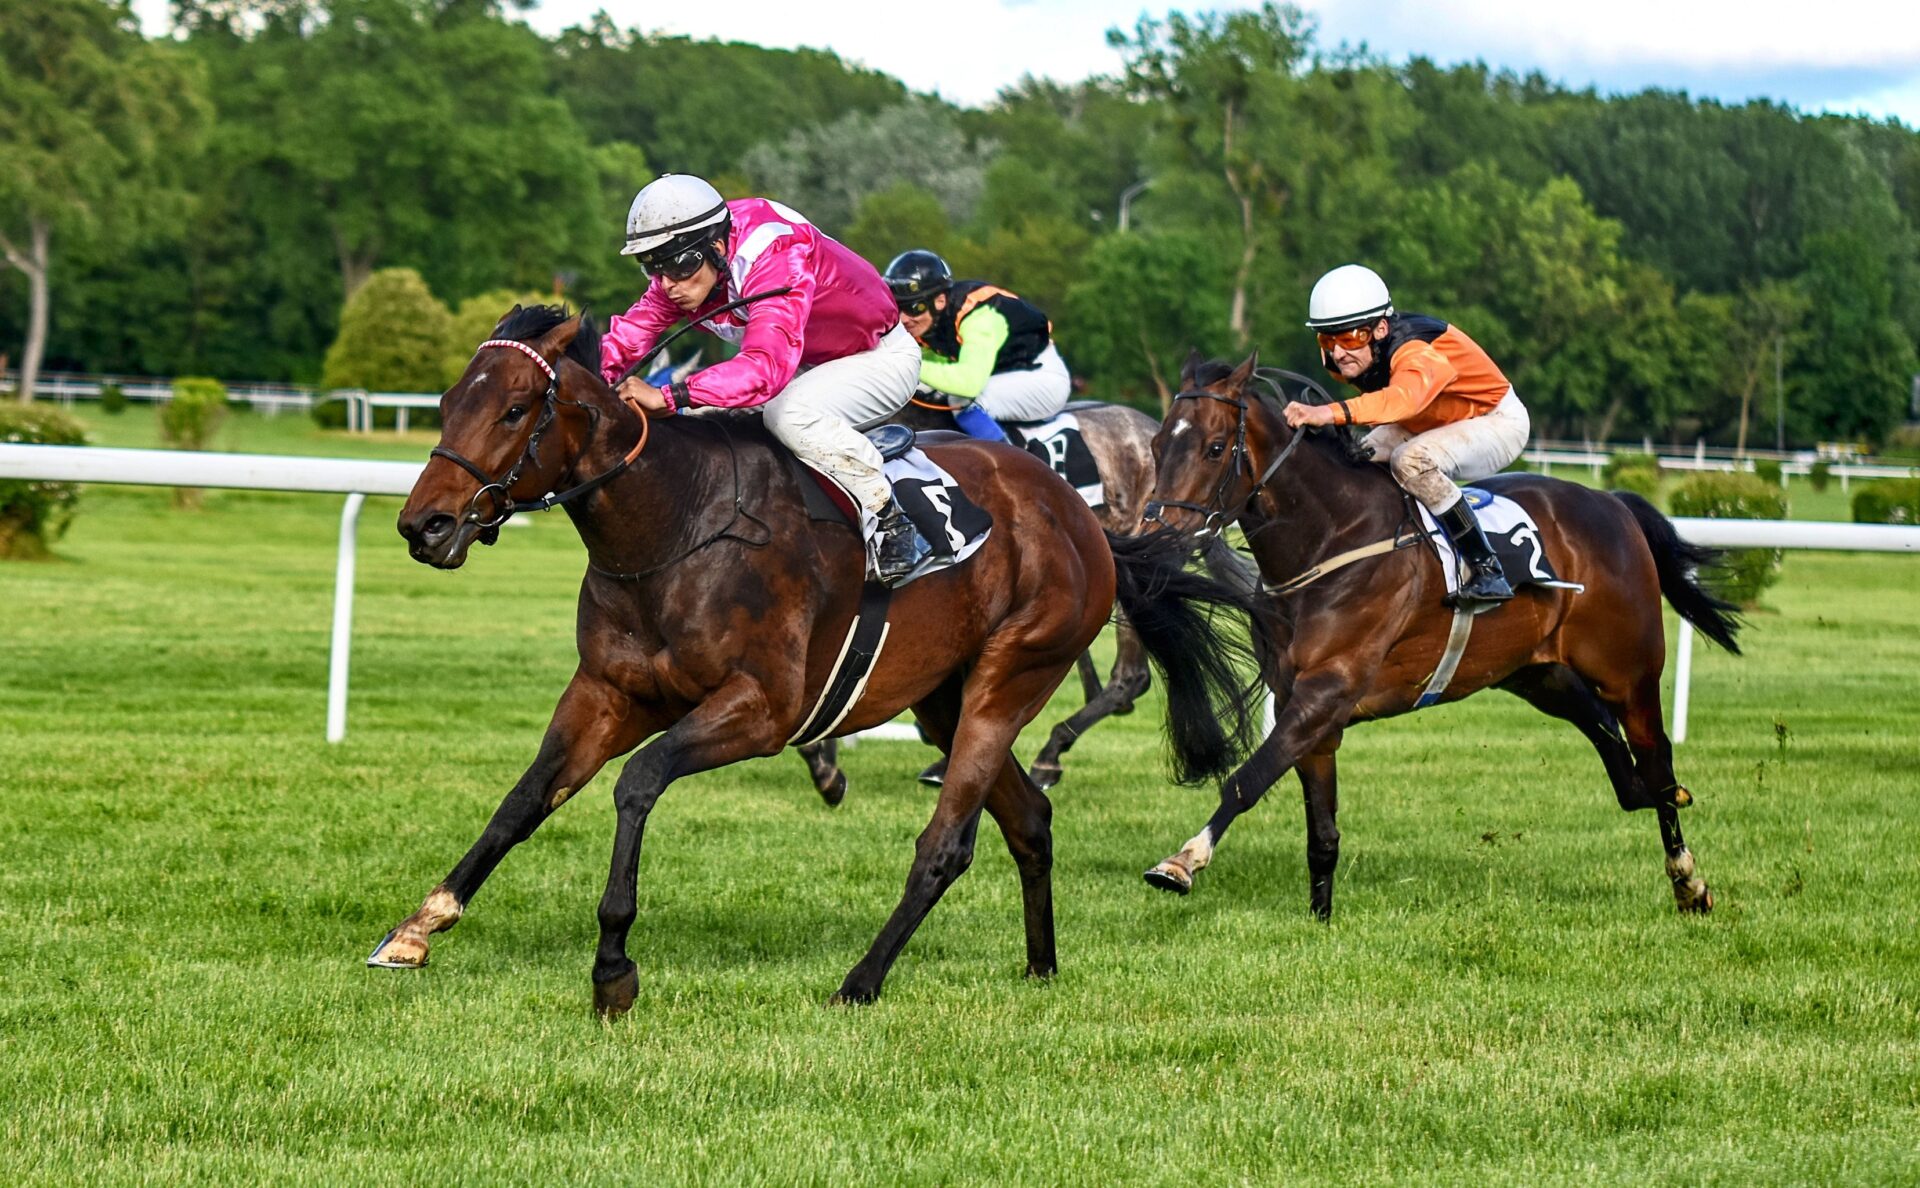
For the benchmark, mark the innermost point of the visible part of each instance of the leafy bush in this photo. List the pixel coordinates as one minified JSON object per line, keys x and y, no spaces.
{"x":393,"y":338}
{"x":1903,"y":442}
{"x":1820,"y":475}
{"x":189,"y":421}
{"x":473,"y":325}
{"x":1641,"y":480}
{"x":35,"y":514}
{"x":193,"y":416}
{"x":1889,"y":501}
{"x":1624,"y":460}
{"x":1767,"y":470}
{"x":113,"y":399}
{"x":1736,"y":497}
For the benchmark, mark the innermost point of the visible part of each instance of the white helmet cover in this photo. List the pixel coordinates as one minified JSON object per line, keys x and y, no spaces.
{"x":670,"y":206}
{"x":1347,"y":296}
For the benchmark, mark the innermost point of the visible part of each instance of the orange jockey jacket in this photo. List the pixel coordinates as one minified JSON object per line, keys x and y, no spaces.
{"x":1425,"y":374}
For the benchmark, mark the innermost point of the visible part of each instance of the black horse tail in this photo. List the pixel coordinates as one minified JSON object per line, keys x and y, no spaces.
{"x":1212,"y":705}
{"x":1679,"y":562}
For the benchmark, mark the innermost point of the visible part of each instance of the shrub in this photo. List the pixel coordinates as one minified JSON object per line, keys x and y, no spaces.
{"x":393,"y":337}
{"x":473,"y":324}
{"x":1820,"y":475}
{"x":1767,"y":470}
{"x":1719,"y":496}
{"x":1889,"y":501}
{"x":35,"y":514}
{"x":189,"y":421}
{"x":1903,"y":442}
{"x":113,"y":399}
{"x":1641,"y":480}
{"x":1626,"y":461}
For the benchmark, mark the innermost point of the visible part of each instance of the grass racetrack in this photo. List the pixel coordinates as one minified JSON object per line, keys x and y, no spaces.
{"x":190,"y":878}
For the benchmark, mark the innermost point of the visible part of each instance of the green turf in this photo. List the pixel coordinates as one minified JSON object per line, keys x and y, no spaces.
{"x":190,"y":877}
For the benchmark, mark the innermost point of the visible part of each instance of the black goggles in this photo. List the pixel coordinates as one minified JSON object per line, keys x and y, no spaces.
{"x":676,"y":266}
{"x":917,"y":307}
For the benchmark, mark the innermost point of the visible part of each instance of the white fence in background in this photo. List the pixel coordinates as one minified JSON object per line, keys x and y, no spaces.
{"x":1544,"y":460}
{"x":357,"y":479}
{"x":65,"y":387}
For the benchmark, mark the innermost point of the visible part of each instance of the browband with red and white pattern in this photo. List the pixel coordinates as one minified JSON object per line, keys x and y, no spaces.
{"x":524,"y":349}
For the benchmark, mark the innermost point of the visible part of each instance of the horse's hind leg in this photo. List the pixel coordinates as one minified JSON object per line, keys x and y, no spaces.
{"x":1559,"y":692}
{"x":1129,"y":680}
{"x":1653,"y":760}
{"x":823,"y":764}
{"x":592,"y":723}
{"x":980,"y":752}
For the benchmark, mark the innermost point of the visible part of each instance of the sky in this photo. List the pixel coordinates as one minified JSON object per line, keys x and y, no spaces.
{"x":1850,"y":56}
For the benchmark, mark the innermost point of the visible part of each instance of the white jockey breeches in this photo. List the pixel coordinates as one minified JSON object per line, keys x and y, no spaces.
{"x":1426,"y":465}
{"x":820,"y":414}
{"x":1036,"y":394}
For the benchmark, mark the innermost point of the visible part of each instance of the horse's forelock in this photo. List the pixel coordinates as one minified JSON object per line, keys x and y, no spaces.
{"x":527,"y":323}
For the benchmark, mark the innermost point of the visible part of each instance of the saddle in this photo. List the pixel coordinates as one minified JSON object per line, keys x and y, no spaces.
{"x":946,"y":516}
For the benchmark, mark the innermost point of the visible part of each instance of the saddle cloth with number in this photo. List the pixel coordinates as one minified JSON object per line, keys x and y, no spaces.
{"x":1517,"y":541}
{"x":1061,"y":444}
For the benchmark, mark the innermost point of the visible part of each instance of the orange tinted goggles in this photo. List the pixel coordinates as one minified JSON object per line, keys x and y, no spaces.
{"x":1351,"y":340}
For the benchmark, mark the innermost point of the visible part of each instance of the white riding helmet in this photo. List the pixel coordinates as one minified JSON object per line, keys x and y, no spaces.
{"x":667,"y":208}
{"x":1348,"y":296}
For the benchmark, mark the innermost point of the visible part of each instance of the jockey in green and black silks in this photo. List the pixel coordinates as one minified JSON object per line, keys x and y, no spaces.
{"x":979,"y":343}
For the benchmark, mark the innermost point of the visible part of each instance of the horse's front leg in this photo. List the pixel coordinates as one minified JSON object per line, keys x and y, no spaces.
{"x":733,"y":723}
{"x":593,"y":722}
{"x":1316,"y":711}
{"x":823,"y":766}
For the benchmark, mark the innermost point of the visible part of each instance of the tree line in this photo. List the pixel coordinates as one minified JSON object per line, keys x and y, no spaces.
{"x":1647,"y":264}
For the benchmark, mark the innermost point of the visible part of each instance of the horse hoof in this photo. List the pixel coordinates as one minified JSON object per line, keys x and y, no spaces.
{"x":935,"y":774}
{"x":1045,"y":775}
{"x":1681,"y":797}
{"x":836,"y":790}
{"x":1042,"y":972}
{"x":1693,"y":897}
{"x":1169,"y":877}
{"x":398,"y":952}
{"x":846,"y":996}
{"x":613,"y":999}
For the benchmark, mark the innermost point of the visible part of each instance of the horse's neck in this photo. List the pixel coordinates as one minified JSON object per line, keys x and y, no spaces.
{"x":651,"y":510}
{"x":1317,"y":505}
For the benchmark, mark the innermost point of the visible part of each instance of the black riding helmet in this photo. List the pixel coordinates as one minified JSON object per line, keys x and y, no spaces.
{"x":918,"y":275}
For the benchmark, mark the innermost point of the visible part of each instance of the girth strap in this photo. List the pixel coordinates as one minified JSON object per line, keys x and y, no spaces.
{"x":866,"y":636}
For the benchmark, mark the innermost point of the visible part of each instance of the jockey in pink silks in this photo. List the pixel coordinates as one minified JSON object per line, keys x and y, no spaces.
{"x":821,"y":362}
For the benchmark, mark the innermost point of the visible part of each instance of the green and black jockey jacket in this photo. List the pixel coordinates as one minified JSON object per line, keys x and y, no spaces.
{"x":1028,"y":331}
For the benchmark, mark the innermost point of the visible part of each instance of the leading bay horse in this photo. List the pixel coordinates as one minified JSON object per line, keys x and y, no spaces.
{"x":713,"y":610}
{"x":1361,"y":640}
{"x":1121,"y":441}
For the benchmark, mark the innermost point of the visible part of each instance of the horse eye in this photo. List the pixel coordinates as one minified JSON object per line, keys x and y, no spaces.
{"x":514,"y":414}
{"x":1216,"y":449}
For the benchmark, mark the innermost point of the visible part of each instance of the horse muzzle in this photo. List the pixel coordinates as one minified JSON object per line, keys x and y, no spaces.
{"x":441,"y":539}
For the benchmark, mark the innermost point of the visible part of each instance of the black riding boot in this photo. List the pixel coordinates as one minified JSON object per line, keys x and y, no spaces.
{"x":1485,"y":585}
{"x":898,"y":546}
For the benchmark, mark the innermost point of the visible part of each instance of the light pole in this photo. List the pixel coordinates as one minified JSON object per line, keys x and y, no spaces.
{"x":1128,"y":195}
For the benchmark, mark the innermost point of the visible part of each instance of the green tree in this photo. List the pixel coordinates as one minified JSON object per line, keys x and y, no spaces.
{"x":1855,"y":370}
{"x":393,"y":336}
{"x":824,"y":172}
{"x":415,"y":132}
{"x":92,"y":122}
{"x":892,"y":220}
{"x":1144,"y":301}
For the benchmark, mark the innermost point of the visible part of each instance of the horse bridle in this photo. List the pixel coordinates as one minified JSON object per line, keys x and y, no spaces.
{"x":500,"y":490}
{"x":1215,"y":510}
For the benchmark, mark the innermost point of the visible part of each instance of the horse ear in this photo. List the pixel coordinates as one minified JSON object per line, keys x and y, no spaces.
{"x":554,"y":343}
{"x":1191,"y":366}
{"x":501,"y":324}
{"x":1244,"y":372}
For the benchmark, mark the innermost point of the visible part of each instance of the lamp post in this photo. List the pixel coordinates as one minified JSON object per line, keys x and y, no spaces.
{"x":1128,"y":195}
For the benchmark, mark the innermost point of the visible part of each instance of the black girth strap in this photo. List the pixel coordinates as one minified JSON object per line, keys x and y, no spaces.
{"x":865,"y":638}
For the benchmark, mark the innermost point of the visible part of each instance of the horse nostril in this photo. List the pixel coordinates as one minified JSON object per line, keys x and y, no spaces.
{"x":437,"y":528}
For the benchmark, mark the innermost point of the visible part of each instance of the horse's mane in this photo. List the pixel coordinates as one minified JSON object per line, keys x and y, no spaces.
{"x":527,"y":322}
{"x":1338,"y":442}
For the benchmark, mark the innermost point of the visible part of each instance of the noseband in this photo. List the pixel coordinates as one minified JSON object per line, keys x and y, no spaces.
{"x":1216,"y":509}
{"x":500,"y":490}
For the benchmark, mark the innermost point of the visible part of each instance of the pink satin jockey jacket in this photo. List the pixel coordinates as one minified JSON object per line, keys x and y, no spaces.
{"x":839,"y":306}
